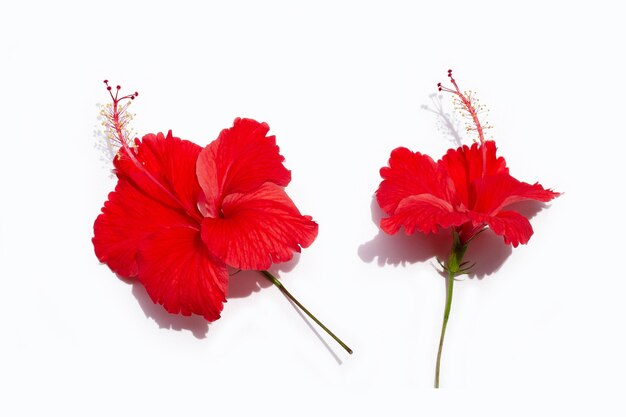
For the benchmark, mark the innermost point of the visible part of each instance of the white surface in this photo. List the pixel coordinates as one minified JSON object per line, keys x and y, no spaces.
{"x":341,"y":85}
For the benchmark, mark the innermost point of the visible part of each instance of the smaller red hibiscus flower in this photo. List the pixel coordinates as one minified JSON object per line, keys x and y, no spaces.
{"x":180,"y":214}
{"x":468,"y":190}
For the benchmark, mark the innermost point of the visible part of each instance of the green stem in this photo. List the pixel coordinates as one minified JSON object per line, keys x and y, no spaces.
{"x":446,"y":315}
{"x":453,"y":267}
{"x":284,"y":290}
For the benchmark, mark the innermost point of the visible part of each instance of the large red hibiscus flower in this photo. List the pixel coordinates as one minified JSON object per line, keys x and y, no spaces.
{"x":180,"y":214}
{"x":468,"y":191}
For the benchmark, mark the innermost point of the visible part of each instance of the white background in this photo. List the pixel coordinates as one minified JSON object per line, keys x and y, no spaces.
{"x":539,"y":329}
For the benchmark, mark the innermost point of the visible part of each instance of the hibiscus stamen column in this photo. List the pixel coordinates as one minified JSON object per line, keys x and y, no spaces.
{"x":116,"y":123}
{"x":467,"y":104}
{"x":286,"y":292}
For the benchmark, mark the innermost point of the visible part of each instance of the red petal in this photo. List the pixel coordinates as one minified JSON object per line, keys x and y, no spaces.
{"x":408,"y":174}
{"x":179,"y":273}
{"x":127,"y":218}
{"x":425,"y":213}
{"x":240,"y":160}
{"x":465,"y":165}
{"x":495,"y":192}
{"x":258,"y":229}
{"x":169,"y":161}
{"x":514,"y":227}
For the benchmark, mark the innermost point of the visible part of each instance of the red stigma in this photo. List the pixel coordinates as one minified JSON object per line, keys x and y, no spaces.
{"x":116,"y":99}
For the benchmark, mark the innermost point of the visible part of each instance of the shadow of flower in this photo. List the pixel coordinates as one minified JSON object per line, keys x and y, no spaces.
{"x":195,"y":324}
{"x":401,"y":249}
{"x":488,"y":251}
{"x":241,"y":284}
{"x":244,"y":283}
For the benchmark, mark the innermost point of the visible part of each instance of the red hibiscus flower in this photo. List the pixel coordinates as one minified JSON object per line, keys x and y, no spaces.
{"x":468,"y":190}
{"x":180,"y":214}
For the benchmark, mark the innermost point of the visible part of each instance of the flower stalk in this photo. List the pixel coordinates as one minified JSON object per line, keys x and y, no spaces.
{"x":454,"y":267}
{"x":287,"y":294}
